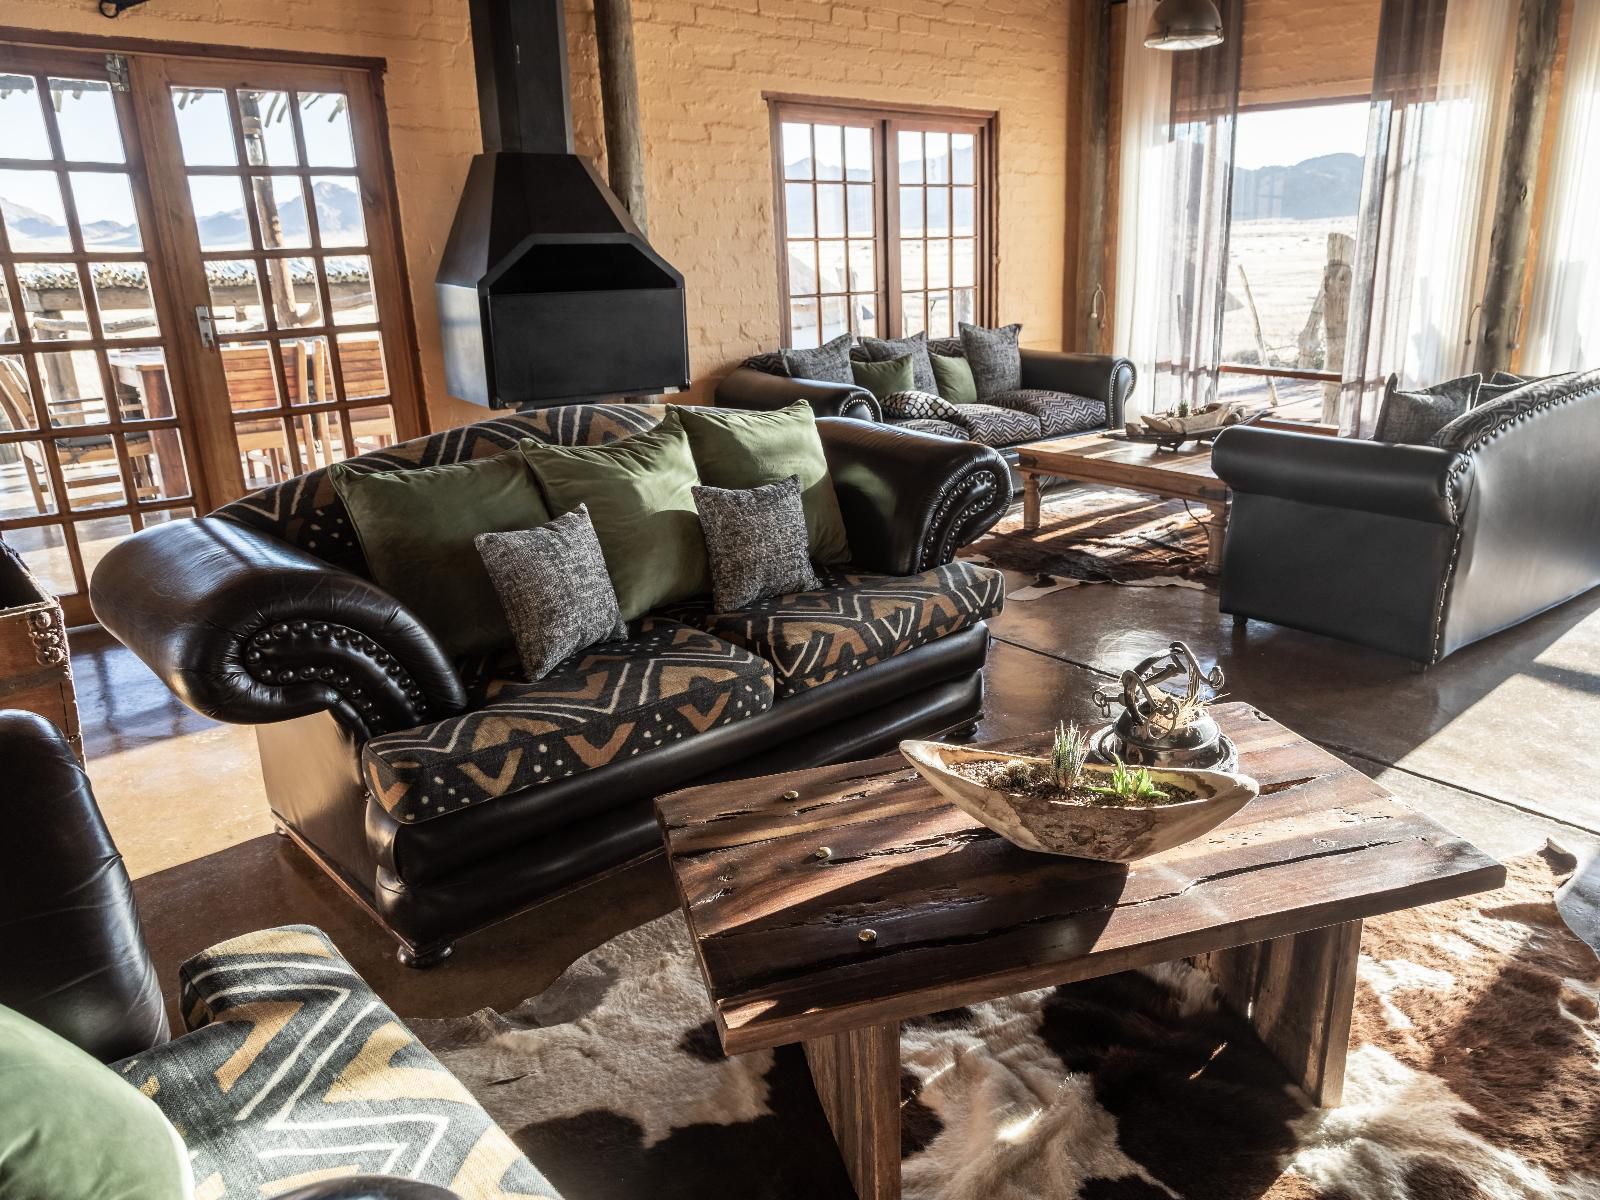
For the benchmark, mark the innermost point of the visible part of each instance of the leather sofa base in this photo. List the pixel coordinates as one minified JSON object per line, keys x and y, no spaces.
{"x":430,"y":883}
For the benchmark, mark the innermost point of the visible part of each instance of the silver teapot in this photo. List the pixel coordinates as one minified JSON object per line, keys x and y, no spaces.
{"x":1157,"y":727}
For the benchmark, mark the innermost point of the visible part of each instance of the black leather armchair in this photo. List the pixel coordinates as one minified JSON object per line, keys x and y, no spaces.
{"x":1416,"y":550}
{"x":75,"y":954}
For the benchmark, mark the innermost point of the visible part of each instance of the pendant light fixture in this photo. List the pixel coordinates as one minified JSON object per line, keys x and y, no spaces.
{"x":1184,"y":25}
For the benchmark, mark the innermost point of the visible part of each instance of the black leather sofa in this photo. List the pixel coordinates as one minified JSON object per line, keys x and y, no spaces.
{"x":380,"y":756}
{"x":1418,"y":550}
{"x":1105,"y":380}
{"x":77,"y":963}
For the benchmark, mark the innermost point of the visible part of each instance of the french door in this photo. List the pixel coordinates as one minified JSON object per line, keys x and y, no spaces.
{"x":201,"y":292}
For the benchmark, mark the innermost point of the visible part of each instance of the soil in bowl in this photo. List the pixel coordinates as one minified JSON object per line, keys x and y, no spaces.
{"x":1032,"y":781}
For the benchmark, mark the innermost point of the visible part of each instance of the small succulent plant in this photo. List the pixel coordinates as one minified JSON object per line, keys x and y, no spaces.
{"x":1130,"y":784}
{"x":1017,"y":775}
{"x":1067,"y":755}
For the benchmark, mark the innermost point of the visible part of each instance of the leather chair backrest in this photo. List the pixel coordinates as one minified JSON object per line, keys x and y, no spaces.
{"x":74,"y":953}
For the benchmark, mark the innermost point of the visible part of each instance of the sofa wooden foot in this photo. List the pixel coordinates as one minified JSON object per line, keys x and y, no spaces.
{"x":964,"y":733}
{"x":422,"y":960}
{"x":1240,"y":620}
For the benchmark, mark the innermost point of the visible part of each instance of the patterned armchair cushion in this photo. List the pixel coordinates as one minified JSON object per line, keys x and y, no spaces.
{"x":613,"y":701}
{"x":297,"y":1072}
{"x":853,"y":621}
{"x":305,"y":511}
{"x":1059,"y":413}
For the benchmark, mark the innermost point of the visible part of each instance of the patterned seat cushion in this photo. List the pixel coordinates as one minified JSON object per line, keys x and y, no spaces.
{"x":991,"y":425}
{"x":306,"y":512}
{"x":615,"y":700}
{"x":295,"y":1071}
{"x":1059,"y":413}
{"x":853,"y":620}
{"x":942,"y":428}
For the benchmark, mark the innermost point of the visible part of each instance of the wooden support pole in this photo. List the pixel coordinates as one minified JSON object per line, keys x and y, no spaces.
{"x":1537,"y":26}
{"x":1093,"y":167}
{"x":619,"y":96}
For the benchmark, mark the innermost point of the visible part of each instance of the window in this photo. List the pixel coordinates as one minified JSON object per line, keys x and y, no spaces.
{"x":883,"y":219}
{"x":1296,"y":201}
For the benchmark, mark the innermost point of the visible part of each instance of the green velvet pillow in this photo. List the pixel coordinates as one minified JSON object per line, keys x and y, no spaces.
{"x":887,"y":377}
{"x":736,"y":448}
{"x":954,"y":375}
{"x":70,"y":1126}
{"x":416,"y":529}
{"x":640,"y":501}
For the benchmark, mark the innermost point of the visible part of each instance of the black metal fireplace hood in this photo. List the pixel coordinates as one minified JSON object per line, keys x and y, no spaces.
{"x":548,"y":291}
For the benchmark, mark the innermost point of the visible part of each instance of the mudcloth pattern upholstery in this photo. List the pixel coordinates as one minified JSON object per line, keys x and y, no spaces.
{"x":613,"y":701}
{"x":1059,"y":413}
{"x":297,"y":1072}
{"x":853,"y":621}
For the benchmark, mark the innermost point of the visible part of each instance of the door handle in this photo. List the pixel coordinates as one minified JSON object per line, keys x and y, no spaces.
{"x":206,"y":326}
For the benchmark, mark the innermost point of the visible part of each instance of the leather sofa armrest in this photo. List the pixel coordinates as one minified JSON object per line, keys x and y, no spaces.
{"x":1096,"y":376}
{"x":75,"y":956}
{"x":746,"y":387}
{"x":910,"y":500}
{"x":370,"y":1187}
{"x":1420,"y":483}
{"x":246,"y":628}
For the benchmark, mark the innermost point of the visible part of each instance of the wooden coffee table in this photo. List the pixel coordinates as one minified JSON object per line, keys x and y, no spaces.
{"x":828,"y":905}
{"x":1183,"y":474}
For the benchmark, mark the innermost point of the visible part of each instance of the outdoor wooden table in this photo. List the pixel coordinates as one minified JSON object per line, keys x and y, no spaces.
{"x":1183,"y":474}
{"x":826,"y":906}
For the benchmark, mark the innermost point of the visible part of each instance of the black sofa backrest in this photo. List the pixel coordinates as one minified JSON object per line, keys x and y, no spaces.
{"x":307,"y":513}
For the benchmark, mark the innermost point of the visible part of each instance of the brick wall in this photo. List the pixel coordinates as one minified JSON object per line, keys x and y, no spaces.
{"x":702,"y":69}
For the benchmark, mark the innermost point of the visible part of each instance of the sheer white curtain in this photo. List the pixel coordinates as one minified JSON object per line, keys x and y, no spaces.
{"x":1176,"y":188}
{"x":1433,"y":153}
{"x":1143,"y":217}
{"x":1563,"y":325}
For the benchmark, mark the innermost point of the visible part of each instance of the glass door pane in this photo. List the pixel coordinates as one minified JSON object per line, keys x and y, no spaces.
{"x":92,"y":444}
{"x":300,"y":279}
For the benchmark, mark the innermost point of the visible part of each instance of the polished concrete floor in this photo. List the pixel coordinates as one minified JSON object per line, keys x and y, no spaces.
{"x":1497,"y":743}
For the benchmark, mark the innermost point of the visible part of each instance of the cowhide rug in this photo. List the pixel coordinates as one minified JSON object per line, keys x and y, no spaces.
{"x":1098,"y":535}
{"x":1474,"y":1074}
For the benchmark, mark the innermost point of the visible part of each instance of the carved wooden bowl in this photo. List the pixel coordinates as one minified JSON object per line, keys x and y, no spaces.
{"x":1102,"y":832}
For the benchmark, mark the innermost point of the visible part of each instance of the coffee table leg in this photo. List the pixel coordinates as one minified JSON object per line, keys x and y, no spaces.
{"x":1216,"y":535}
{"x":1030,"y":502}
{"x":857,"y":1078}
{"x":1298,"y":993}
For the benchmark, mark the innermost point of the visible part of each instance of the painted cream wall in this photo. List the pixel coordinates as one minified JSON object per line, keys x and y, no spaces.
{"x":702,"y":70}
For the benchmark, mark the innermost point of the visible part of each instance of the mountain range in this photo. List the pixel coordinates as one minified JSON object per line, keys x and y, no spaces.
{"x":1326,"y":186}
{"x":338,"y":214}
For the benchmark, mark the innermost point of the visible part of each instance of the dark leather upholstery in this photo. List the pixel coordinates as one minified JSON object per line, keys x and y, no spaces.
{"x":745,"y":387}
{"x":1416,"y":550}
{"x":1097,"y":376}
{"x":1102,"y":377}
{"x":75,"y":956}
{"x":246,"y":628}
{"x":909,"y":500}
{"x":369,"y":1187}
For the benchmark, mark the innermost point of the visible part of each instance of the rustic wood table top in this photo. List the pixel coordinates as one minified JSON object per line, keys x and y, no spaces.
{"x":1099,"y":458}
{"x":781,"y":876}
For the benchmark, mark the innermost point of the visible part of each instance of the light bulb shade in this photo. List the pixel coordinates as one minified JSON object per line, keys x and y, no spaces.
{"x":1184,"y":25}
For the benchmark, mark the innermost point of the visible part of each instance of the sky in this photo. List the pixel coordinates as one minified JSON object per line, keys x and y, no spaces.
{"x":1282,"y":137}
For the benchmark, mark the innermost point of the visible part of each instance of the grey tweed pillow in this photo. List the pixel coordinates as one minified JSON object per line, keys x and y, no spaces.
{"x":884,"y":349}
{"x":829,"y":362}
{"x":1412,"y":418}
{"x":995,"y":356}
{"x":552,"y":582}
{"x":756,"y":541}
